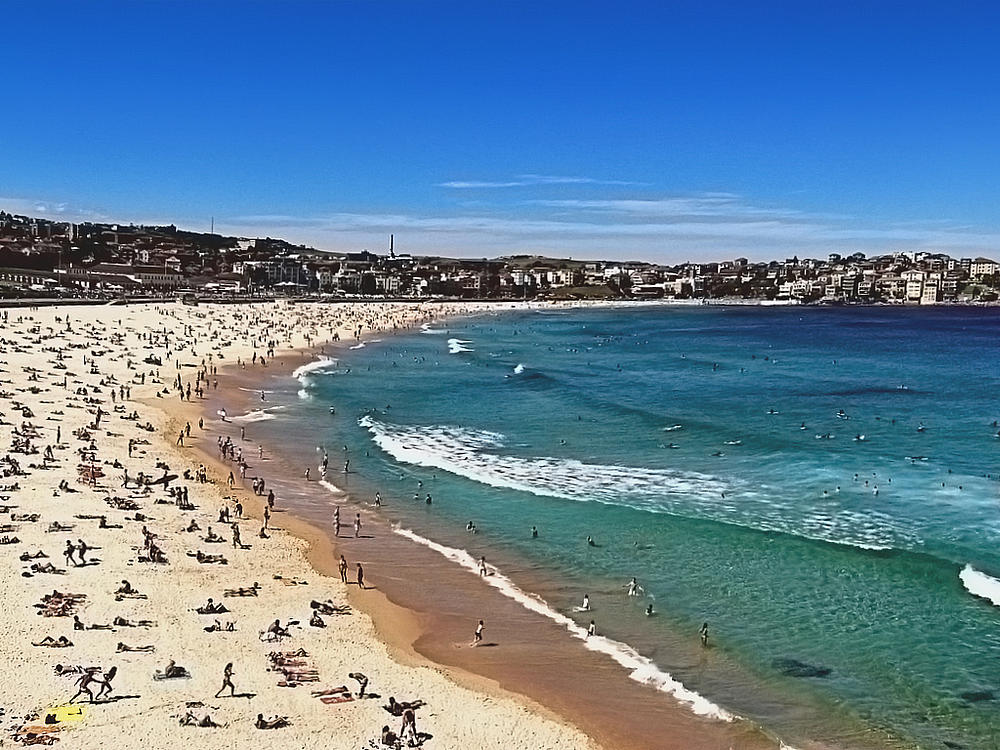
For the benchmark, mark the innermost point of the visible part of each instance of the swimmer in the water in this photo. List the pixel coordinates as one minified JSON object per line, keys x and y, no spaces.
{"x":632,"y":588}
{"x":586,"y":602}
{"x":649,"y":610}
{"x":590,"y":542}
{"x":703,"y":633}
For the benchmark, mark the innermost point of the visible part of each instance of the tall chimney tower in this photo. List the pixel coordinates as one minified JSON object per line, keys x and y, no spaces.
{"x":392,"y":253}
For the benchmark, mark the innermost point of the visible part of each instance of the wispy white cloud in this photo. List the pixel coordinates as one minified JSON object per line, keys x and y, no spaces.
{"x":526,"y":180}
{"x":720,"y":205}
{"x":53,"y":210}
{"x":671,"y":229}
{"x":699,"y":226}
{"x":478,"y":184}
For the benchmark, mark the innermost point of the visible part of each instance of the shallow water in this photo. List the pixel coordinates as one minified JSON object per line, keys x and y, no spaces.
{"x":716,"y":454}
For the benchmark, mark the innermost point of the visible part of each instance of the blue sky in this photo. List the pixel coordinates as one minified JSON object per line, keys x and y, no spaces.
{"x":661,"y":131}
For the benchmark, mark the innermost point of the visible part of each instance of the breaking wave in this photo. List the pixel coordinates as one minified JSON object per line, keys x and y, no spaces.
{"x":478,"y":455}
{"x":980,"y":584}
{"x":456,"y":346}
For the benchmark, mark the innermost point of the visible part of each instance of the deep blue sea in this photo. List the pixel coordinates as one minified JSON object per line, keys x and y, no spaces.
{"x":822,"y":486}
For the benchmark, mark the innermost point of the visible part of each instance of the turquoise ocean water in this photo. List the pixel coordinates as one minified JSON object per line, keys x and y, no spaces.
{"x":819,"y":485}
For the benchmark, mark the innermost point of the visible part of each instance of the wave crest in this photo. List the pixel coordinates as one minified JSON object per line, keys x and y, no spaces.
{"x":477,"y":455}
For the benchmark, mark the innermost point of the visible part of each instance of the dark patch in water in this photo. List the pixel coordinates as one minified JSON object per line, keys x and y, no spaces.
{"x":533,"y":378}
{"x":878,"y":391}
{"x":953,"y":745}
{"x":978,"y":696}
{"x":796,"y":668}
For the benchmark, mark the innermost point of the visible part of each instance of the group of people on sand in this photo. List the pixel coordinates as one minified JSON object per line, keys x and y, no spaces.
{"x":111,"y":370}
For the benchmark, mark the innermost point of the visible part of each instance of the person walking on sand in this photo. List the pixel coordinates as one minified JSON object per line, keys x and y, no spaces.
{"x":227,"y":681}
{"x":361,"y":576}
{"x":478,"y":638}
{"x":409,"y":726}
{"x":106,"y":683}
{"x":357,"y":525}
{"x":84,"y":683}
{"x":343,"y":569}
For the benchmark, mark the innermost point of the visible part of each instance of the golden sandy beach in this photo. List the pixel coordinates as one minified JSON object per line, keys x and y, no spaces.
{"x":75,"y":392}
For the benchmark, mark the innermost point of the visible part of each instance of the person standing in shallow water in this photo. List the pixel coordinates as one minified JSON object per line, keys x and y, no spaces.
{"x":703,"y":634}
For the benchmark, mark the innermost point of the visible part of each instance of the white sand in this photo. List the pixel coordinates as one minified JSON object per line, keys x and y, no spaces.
{"x":144,"y":712}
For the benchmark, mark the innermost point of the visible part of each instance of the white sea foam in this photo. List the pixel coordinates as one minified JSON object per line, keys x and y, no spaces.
{"x":980,"y":584}
{"x":639,"y":667}
{"x":332,"y":487}
{"x":317,"y":364}
{"x":359,"y":345}
{"x":456,"y":346}
{"x":255,"y":415}
{"x":426,"y":328}
{"x":519,"y":369}
{"x":480,"y":456}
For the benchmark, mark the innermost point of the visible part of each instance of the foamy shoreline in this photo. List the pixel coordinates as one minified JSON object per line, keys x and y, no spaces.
{"x":108,"y":337}
{"x":681,"y":703}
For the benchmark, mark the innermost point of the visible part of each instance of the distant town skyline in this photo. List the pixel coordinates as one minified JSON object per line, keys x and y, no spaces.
{"x":647,"y":131}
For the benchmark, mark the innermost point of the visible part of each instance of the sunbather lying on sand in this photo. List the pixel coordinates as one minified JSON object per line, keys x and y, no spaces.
{"x":122,"y":648}
{"x":190,"y":720}
{"x":46,"y":568}
{"x":330,"y":608}
{"x":208,"y":559}
{"x":248,"y":591}
{"x":50,"y":642}
{"x":126,"y":623}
